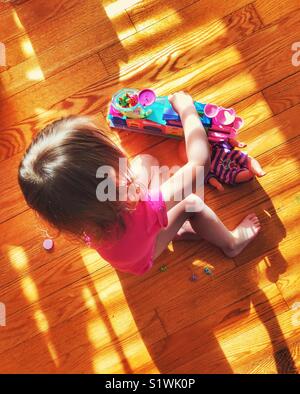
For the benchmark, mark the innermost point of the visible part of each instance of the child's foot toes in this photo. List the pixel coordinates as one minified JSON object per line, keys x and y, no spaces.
{"x":261,"y":173}
{"x":243,"y":234}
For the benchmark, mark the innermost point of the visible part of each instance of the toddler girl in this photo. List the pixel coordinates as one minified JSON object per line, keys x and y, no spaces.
{"x":71,"y":168}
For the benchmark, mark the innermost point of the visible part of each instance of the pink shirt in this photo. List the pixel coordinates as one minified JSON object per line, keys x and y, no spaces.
{"x":133,"y":251}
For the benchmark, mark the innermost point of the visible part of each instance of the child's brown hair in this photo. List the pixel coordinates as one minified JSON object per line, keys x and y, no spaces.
{"x":57,"y":176}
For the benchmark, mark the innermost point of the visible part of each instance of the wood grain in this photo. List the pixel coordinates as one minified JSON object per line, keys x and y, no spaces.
{"x":270,"y":11}
{"x":283,"y":94}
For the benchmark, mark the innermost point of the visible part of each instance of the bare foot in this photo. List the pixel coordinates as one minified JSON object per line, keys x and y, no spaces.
{"x":186,"y":233}
{"x":243,"y":234}
{"x":256,"y":168}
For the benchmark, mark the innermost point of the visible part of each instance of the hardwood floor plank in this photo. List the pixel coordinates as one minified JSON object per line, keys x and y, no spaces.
{"x":183,"y":44}
{"x":274,"y":233}
{"x":93,"y":346}
{"x":289,"y":280}
{"x":80,"y":301}
{"x":146,"y":13}
{"x":283,"y":94}
{"x":254,"y":110}
{"x":17,"y":137}
{"x":262,"y":332}
{"x":44,"y":23}
{"x":58,"y":57}
{"x":225,"y":78}
{"x":4,"y":7}
{"x":213,"y":295}
{"x":268,"y":362}
{"x":107,"y":89}
{"x":272,"y":10}
{"x":52,"y":90}
{"x":32,"y":14}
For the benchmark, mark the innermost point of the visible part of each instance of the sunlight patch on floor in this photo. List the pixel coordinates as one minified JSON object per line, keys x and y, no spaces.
{"x":18,"y":77}
{"x":19,"y":261}
{"x":17,"y":257}
{"x":263,"y":339}
{"x":35,"y":74}
{"x":17,"y":20}
{"x":29,"y":289}
{"x":27,"y":47}
{"x":45,"y":113}
{"x":98,"y":333}
{"x":121,"y":321}
{"x":89,"y":299}
{"x":137,"y":354}
{"x":174,"y":52}
{"x":108,"y":362}
{"x":113,"y":8}
{"x":238,"y":345}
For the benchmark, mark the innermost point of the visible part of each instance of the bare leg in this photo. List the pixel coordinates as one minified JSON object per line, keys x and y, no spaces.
{"x":176,"y":217}
{"x":208,"y":226}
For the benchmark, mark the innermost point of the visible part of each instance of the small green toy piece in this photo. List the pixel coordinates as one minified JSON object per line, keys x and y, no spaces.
{"x":163,"y":268}
{"x":207,"y":271}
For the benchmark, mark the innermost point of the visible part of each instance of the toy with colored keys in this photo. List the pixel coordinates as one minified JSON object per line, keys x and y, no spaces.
{"x":143,"y":111}
{"x":155,"y":115}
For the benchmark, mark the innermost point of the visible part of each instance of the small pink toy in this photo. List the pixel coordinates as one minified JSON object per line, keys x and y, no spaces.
{"x":48,"y":244}
{"x":211,"y":110}
{"x":223,"y":119}
{"x":238,"y":123}
{"x":225,"y":116}
{"x":147,"y":97}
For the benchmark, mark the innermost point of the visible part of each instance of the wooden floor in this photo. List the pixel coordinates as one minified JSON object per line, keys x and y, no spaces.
{"x":68,"y":311}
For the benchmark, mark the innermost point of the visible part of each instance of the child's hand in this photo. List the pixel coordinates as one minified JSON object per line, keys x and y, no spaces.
{"x":181,"y":101}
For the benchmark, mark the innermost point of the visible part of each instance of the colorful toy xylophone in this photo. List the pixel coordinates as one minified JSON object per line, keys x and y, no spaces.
{"x":142,"y":111}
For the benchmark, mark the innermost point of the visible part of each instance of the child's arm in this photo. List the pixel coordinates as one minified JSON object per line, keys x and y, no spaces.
{"x":197,"y":145}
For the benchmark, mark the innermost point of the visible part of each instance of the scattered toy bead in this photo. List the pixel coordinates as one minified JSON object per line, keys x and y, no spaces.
{"x":207,"y":271}
{"x":163,"y":268}
{"x":48,"y":244}
{"x":194,"y":277}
